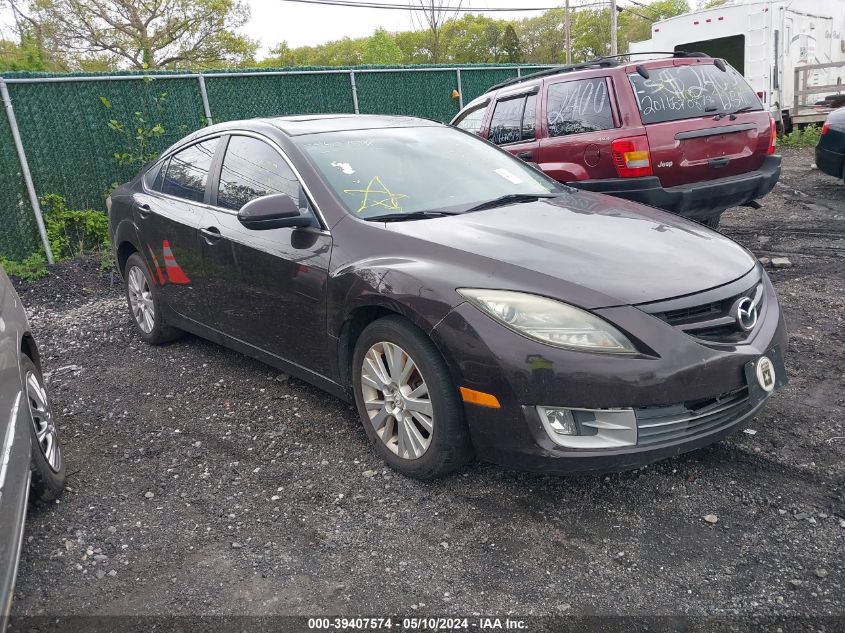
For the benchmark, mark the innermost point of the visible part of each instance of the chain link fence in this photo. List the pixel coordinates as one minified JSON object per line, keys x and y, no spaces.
{"x":80,"y":131}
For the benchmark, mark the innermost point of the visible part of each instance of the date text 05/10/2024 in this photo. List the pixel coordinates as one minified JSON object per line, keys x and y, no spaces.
{"x":417,"y":624}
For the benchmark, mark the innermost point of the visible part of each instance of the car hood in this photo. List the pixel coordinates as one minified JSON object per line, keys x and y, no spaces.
{"x":627,"y":252}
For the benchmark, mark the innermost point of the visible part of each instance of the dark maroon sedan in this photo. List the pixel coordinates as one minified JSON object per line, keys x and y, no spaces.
{"x":468,"y":304}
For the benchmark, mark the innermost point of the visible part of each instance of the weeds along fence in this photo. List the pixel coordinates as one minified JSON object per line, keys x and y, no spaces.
{"x":76,"y":135}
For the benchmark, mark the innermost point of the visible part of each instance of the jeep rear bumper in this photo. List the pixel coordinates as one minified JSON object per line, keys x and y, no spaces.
{"x":697,"y":200}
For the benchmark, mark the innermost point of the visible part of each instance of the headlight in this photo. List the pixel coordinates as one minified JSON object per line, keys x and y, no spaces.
{"x":549,"y":321}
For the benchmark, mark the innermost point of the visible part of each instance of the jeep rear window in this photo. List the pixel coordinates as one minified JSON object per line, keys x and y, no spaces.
{"x":684,"y":92}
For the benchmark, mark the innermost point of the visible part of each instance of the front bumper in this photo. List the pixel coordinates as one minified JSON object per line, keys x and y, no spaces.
{"x":697,"y":200}
{"x":522,"y":374}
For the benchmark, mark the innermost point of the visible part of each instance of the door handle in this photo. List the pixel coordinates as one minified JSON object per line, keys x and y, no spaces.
{"x":718,"y":163}
{"x":211,"y":234}
{"x":526,"y":156}
{"x":144,"y":210}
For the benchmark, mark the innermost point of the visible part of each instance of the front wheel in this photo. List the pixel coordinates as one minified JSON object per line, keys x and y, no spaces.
{"x":712,"y":222}
{"x":407,"y":402}
{"x":46,"y":462}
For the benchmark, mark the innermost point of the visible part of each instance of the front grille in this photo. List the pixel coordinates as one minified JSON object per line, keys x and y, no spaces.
{"x":692,"y":313}
{"x":666,"y":423}
{"x":709,"y":315}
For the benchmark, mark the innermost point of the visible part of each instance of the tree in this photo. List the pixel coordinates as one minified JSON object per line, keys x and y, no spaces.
{"x":31,"y":51}
{"x":433,"y":16}
{"x":472,"y":39}
{"x":381,"y":48}
{"x":154,"y":34}
{"x":26,"y":55}
{"x":542,"y":37}
{"x":511,"y":46}
{"x":414,"y":47}
{"x":635,"y":22}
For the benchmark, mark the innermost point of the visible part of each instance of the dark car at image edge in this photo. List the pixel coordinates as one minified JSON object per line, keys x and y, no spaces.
{"x":467,"y":304}
{"x":830,"y":150}
{"x":686,"y":133}
{"x":32,"y":467}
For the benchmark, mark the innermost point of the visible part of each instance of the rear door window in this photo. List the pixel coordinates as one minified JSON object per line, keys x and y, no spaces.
{"x":574,"y":107}
{"x":187,"y":171}
{"x":685,"y":92}
{"x":513,"y":120}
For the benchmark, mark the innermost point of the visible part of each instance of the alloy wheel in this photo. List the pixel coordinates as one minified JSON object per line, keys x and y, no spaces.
{"x":397,"y":400}
{"x":141,"y":299}
{"x":42,"y":420}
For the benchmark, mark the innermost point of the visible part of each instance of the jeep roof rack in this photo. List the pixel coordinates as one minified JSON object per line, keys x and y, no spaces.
{"x":600,"y":62}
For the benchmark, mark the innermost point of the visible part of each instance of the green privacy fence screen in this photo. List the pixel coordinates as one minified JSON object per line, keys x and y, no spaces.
{"x":63,"y":120}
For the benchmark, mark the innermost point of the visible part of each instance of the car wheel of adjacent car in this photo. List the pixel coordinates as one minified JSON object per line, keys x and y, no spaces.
{"x":47,"y":465}
{"x":144,"y":303}
{"x":713,"y":222}
{"x":407,"y":401}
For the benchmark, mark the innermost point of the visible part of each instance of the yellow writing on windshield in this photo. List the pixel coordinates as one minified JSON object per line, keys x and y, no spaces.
{"x":376,"y":194}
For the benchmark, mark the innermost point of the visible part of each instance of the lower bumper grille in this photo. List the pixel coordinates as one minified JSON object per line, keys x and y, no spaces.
{"x":666,"y":423}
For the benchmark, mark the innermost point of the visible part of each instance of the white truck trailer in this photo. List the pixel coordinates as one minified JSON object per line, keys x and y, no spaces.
{"x":767,"y":40}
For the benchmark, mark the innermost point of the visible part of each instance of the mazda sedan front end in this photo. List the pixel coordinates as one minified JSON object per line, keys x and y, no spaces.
{"x":467,"y":304}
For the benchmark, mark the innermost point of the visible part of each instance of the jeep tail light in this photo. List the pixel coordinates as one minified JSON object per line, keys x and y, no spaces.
{"x":825,"y":127}
{"x":773,"y":138}
{"x":631,"y":156}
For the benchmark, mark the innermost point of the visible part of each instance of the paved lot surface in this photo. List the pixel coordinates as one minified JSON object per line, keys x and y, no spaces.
{"x":203,"y":482}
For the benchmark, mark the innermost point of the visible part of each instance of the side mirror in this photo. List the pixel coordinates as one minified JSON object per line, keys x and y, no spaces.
{"x":275,"y":211}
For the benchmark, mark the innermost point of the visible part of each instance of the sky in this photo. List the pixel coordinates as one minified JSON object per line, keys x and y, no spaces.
{"x":299,"y":24}
{"x":273,"y":21}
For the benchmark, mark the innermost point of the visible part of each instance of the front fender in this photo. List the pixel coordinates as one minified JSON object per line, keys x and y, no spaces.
{"x":395,"y":284}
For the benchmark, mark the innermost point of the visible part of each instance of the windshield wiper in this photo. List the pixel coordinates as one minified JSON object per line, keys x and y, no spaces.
{"x":733,"y":114}
{"x":411,"y":215}
{"x":511,"y":198}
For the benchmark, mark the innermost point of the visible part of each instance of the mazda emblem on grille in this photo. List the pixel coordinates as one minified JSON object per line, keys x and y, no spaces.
{"x":745,"y":313}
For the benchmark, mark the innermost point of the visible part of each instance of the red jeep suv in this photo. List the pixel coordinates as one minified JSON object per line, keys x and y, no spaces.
{"x":686,"y":133}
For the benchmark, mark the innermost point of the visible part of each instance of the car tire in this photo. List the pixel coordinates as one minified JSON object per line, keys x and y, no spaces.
{"x":46,"y":462}
{"x":144,"y":302}
{"x":713,"y":222}
{"x":400,"y":402}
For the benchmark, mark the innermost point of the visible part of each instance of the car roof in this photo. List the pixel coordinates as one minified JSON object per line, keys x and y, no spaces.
{"x":317,"y":123}
{"x":607,"y":64}
{"x":303,"y":124}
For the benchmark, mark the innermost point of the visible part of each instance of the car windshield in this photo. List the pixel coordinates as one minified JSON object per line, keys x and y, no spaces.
{"x":417,"y":170}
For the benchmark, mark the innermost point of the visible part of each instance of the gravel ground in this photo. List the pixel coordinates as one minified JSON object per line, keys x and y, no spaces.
{"x":203,"y":482}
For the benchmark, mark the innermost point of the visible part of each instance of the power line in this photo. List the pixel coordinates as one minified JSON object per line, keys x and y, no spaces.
{"x":640,"y":15}
{"x":404,"y":7}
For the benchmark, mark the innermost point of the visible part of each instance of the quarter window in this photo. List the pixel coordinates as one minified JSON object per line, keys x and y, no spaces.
{"x":187,"y":172}
{"x":513,"y":120}
{"x":251,"y":169}
{"x":471,"y":121}
{"x":528,"y":118}
{"x":579,"y":106}
{"x":155,"y":175}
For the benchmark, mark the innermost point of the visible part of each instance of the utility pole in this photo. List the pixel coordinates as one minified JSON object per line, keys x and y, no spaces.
{"x":613,"y":27}
{"x":567,"y":27}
